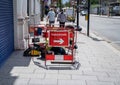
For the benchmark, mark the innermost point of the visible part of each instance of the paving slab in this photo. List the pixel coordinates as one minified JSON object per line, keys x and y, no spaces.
{"x":99,"y":65}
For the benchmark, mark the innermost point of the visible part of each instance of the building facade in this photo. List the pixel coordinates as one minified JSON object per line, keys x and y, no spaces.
{"x":26,"y":12}
{"x":15,"y":18}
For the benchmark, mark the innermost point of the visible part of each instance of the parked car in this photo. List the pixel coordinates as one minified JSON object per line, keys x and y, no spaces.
{"x":116,"y":10}
{"x":83,"y":12}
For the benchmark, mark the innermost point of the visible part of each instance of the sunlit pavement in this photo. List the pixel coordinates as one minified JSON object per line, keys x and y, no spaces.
{"x":99,"y":65}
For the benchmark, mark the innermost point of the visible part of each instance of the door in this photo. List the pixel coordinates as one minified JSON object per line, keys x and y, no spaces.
{"x":6,"y":29}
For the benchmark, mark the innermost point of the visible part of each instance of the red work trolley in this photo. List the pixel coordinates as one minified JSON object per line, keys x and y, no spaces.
{"x":63,"y":39}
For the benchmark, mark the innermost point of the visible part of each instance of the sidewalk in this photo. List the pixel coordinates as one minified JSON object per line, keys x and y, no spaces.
{"x":105,"y":16}
{"x":99,"y":65}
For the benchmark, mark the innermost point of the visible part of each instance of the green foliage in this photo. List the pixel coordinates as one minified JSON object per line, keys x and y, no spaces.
{"x":67,"y":4}
{"x":95,"y":5}
{"x":94,"y":1}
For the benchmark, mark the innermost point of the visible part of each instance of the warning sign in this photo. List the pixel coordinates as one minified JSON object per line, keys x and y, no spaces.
{"x":59,"y":38}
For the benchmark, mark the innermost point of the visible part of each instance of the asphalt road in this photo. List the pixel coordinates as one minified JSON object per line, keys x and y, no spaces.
{"x":106,"y":27}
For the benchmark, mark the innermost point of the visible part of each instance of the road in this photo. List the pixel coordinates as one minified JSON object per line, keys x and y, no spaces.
{"x":106,"y":27}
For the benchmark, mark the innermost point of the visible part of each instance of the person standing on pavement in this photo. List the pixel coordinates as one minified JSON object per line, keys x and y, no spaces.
{"x":51,"y":17}
{"x":61,"y":18}
{"x":46,"y":10}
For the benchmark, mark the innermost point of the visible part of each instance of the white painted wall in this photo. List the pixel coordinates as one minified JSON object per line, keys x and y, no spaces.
{"x":15,"y":24}
{"x":49,"y":2}
{"x":35,"y":12}
{"x":24,"y":8}
{"x":19,"y":8}
{"x":31,"y":7}
{"x":21,"y":20}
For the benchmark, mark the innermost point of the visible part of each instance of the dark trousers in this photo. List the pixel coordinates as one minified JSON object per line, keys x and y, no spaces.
{"x":62,"y":24}
{"x":51,"y":23}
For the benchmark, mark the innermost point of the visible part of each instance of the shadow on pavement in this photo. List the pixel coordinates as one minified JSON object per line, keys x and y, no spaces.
{"x":96,"y":39}
{"x":41,"y":63}
{"x":9,"y":72}
{"x":75,"y":66}
{"x":17,"y":65}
